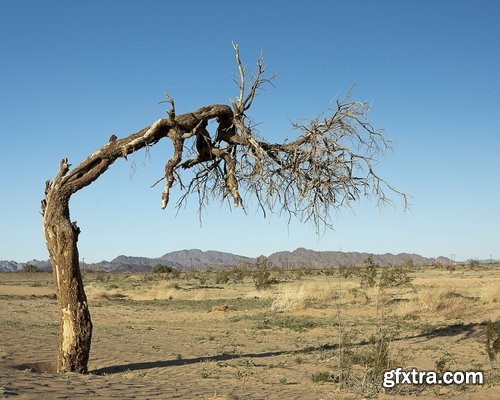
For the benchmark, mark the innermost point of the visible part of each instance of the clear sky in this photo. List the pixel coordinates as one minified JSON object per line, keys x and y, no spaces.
{"x":73,"y":73}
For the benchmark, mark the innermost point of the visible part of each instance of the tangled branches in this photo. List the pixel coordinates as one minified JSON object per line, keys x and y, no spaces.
{"x":328,"y":166}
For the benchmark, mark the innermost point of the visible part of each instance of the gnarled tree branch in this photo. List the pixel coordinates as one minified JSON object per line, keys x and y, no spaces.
{"x":330,"y":164}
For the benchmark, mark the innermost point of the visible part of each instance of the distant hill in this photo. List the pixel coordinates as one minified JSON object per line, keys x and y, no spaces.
{"x":186,"y":259}
{"x":8,"y":266}
{"x":198,"y":258}
{"x":13,"y":266}
{"x":309,"y":258}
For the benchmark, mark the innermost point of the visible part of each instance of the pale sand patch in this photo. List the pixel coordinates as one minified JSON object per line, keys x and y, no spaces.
{"x":24,"y":290}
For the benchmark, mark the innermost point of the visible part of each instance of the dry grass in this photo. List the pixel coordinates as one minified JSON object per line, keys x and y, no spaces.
{"x":490,"y":293}
{"x":187,"y":339}
{"x":448,"y":303}
{"x":293,"y":297}
{"x":321,"y":290}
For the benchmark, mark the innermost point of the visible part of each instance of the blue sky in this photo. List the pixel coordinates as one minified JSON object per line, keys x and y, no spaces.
{"x":74,"y":73}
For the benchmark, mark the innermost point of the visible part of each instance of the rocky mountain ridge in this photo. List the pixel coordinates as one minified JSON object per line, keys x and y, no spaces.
{"x":194,"y":258}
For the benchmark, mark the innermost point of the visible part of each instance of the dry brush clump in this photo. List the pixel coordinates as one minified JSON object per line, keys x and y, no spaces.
{"x":365,"y":351}
{"x":492,"y":340}
{"x":296,"y":296}
{"x":490,"y":293}
{"x":449,"y":303}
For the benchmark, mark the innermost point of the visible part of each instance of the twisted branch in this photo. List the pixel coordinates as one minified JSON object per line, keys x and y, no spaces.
{"x":329,"y":165}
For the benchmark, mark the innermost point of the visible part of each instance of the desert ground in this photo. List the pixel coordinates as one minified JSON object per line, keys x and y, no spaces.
{"x":305,"y":334}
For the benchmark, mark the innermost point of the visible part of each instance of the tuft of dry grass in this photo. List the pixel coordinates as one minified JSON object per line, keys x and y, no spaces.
{"x":293,"y":297}
{"x":449,"y":303}
{"x":95,"y":292}
{"x":288,"y":299}
{"x":490,"y":293}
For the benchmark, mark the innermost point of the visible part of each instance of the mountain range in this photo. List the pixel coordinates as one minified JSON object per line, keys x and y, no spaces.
{"x":187,"y":259}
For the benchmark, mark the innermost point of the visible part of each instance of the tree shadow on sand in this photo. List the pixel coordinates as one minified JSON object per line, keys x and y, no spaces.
{"x":467,"y":330}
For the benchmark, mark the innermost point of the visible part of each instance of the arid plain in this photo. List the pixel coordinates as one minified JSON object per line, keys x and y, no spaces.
{"x":306,"y":334}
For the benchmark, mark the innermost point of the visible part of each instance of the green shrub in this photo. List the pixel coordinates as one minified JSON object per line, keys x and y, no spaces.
{"x":222,"y":276}
{"x":30,"y":268}
{"x":161,"y":269}
{"x":347,"y":271}
{"x":394,"y":276}
{"x":369,"y":273}
{"x":474,"y":264}
{"x":492,"y":340}
{"x":320,"y":377}
{"x":261,"y":275}
{"x":451,"y":268}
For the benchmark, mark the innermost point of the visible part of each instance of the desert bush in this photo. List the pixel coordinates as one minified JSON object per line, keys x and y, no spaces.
{"x":160,"y":269}
{"x":331,"y":271}
{"x":346,"y":362}
{"x":239,"y":272}
{"x":238,"y":275}
{"x":298,"y":273}
{"x":369,"y":273}
{"x":321,"y":377}
{"x":307,"y":271}
{"x":356,"y":293}
{"x":201,"y":277}
{"x":150,"y":277}
{"x":492,"y":340}
{"x":102,"y":277}
{"x":360,"y":368}
{"x":262,"y":275}
{"x":377,"y":360}
{"x":451,"y":268}
{"x":347,"y":271}
{"x":222,"y":276}
{"x":166,"y":269}
{"x":409,"y":264}
{"x":30,"y":268}
{"x":473,"y":264}
{"x":394,"y":276}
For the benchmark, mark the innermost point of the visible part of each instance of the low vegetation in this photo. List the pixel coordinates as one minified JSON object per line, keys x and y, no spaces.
{"x":257,"y":330}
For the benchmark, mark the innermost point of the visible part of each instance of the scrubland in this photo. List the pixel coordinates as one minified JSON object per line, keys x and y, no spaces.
{"x":262,"y":333}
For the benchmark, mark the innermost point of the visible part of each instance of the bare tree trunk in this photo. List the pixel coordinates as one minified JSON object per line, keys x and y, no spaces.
{"x":61,"y":235}
{"x":75,"y":332}
{"x":307,"y":177}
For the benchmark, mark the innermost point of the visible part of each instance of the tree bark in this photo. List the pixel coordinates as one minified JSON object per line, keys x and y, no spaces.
{"x":306,"y":177}
{"x":75,"y":331}
{"x":61,"y":234}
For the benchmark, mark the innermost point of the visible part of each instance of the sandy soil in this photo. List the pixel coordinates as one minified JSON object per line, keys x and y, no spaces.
{"x":182,"y":339}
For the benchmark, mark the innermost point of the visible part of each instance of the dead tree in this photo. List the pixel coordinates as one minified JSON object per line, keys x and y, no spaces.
{"x":329,"y":165}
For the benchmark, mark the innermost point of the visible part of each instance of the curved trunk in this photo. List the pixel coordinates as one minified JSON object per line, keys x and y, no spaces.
{"x":75,"y":331}
{"x":61,"y":235}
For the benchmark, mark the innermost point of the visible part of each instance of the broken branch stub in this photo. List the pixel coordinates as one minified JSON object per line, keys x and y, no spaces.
{"x":329,"y":165}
